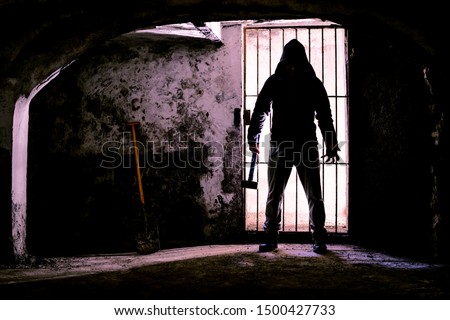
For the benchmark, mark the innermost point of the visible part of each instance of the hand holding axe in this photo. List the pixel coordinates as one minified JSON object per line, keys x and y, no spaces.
{"x":250,"y":184}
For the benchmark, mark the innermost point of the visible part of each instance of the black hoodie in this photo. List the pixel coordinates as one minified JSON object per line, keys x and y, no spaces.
{"x":295,"y":101}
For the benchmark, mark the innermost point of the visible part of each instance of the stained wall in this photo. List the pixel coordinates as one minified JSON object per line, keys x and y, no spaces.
{"x":184,"y":93}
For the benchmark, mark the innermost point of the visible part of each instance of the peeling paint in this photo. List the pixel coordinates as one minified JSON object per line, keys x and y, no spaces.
{"x":177,"y":91}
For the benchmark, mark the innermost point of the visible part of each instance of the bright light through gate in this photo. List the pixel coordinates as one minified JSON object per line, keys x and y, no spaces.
{"x":325,"y":45}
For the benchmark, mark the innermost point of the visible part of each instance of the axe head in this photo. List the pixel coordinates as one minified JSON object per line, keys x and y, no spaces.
{"x":249,"y":184}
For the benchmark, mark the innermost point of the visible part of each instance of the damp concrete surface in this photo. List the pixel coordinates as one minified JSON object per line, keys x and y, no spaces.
{"x":238,"y":271}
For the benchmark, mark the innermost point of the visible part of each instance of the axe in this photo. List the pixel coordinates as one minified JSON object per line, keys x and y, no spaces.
{"x":250,"y":184}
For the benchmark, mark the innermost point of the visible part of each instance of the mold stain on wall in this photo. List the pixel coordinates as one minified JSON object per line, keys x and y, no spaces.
{"x":177,"y":89}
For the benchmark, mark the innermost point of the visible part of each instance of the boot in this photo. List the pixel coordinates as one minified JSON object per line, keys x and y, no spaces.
{"x":319,"y":242}
{"x":270,"y":243}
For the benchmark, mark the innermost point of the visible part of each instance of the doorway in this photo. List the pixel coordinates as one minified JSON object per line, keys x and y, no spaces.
{"x":326,"y":47}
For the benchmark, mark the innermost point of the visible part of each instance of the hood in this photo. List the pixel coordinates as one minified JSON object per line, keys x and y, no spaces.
{"x":294,"y":52}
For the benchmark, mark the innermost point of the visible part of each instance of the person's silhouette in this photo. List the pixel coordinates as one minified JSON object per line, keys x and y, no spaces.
{"x":295,"y":96}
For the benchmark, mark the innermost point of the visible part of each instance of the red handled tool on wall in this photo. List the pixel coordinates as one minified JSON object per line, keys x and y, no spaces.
{"x":136,"y":158}
{"x":147,"y":239}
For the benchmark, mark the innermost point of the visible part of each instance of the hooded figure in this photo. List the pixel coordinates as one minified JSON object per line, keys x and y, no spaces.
{"x":295,"y":96}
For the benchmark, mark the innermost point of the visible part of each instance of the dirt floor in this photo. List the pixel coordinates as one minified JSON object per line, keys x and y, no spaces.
{"x":229,"y":272}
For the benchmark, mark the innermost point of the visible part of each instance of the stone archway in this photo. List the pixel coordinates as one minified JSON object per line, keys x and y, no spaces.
{"x":30,"y":55}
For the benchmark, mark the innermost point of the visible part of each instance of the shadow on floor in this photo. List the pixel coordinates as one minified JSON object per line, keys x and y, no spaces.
{"x":230,"y":272}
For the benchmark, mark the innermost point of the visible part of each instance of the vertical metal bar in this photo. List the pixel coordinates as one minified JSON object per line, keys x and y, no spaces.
{"x":337,"y":126}
{"x":296,"y":203}
{"x":296,"y":175}
{"x":283,"y":198}
{"x":323,"y":142}
{"x":243,"y":171}
{"x":309,"y":58}
{"x":270,"y":51}
{"x":347,"y":119}
{"x":257,"y":92}
{"x":309,"y":43}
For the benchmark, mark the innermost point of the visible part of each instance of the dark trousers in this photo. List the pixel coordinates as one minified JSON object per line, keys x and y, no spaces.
{"x":305,"y":158}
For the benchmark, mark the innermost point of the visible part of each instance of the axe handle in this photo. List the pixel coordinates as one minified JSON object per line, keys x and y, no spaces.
{"x":136,"y":157}
{"x":252,"y":167}
{"x":253,"y":163}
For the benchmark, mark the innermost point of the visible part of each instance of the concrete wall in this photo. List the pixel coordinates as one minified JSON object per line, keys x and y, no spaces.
{"x":184,"y":92}
{"x":390,"y":147}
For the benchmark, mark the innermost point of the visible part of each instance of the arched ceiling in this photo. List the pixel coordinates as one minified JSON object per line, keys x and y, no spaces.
{"x":39,"y":36}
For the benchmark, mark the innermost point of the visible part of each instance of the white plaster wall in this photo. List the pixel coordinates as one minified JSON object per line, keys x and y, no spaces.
{"x":179,"y":93}
{"x":231,"y":57}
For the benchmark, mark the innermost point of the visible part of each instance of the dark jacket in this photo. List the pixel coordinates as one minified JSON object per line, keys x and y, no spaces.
{"x":295,"y":101}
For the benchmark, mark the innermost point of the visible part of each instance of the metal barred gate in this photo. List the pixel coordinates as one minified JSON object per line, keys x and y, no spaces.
{"x":326,"y":48}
